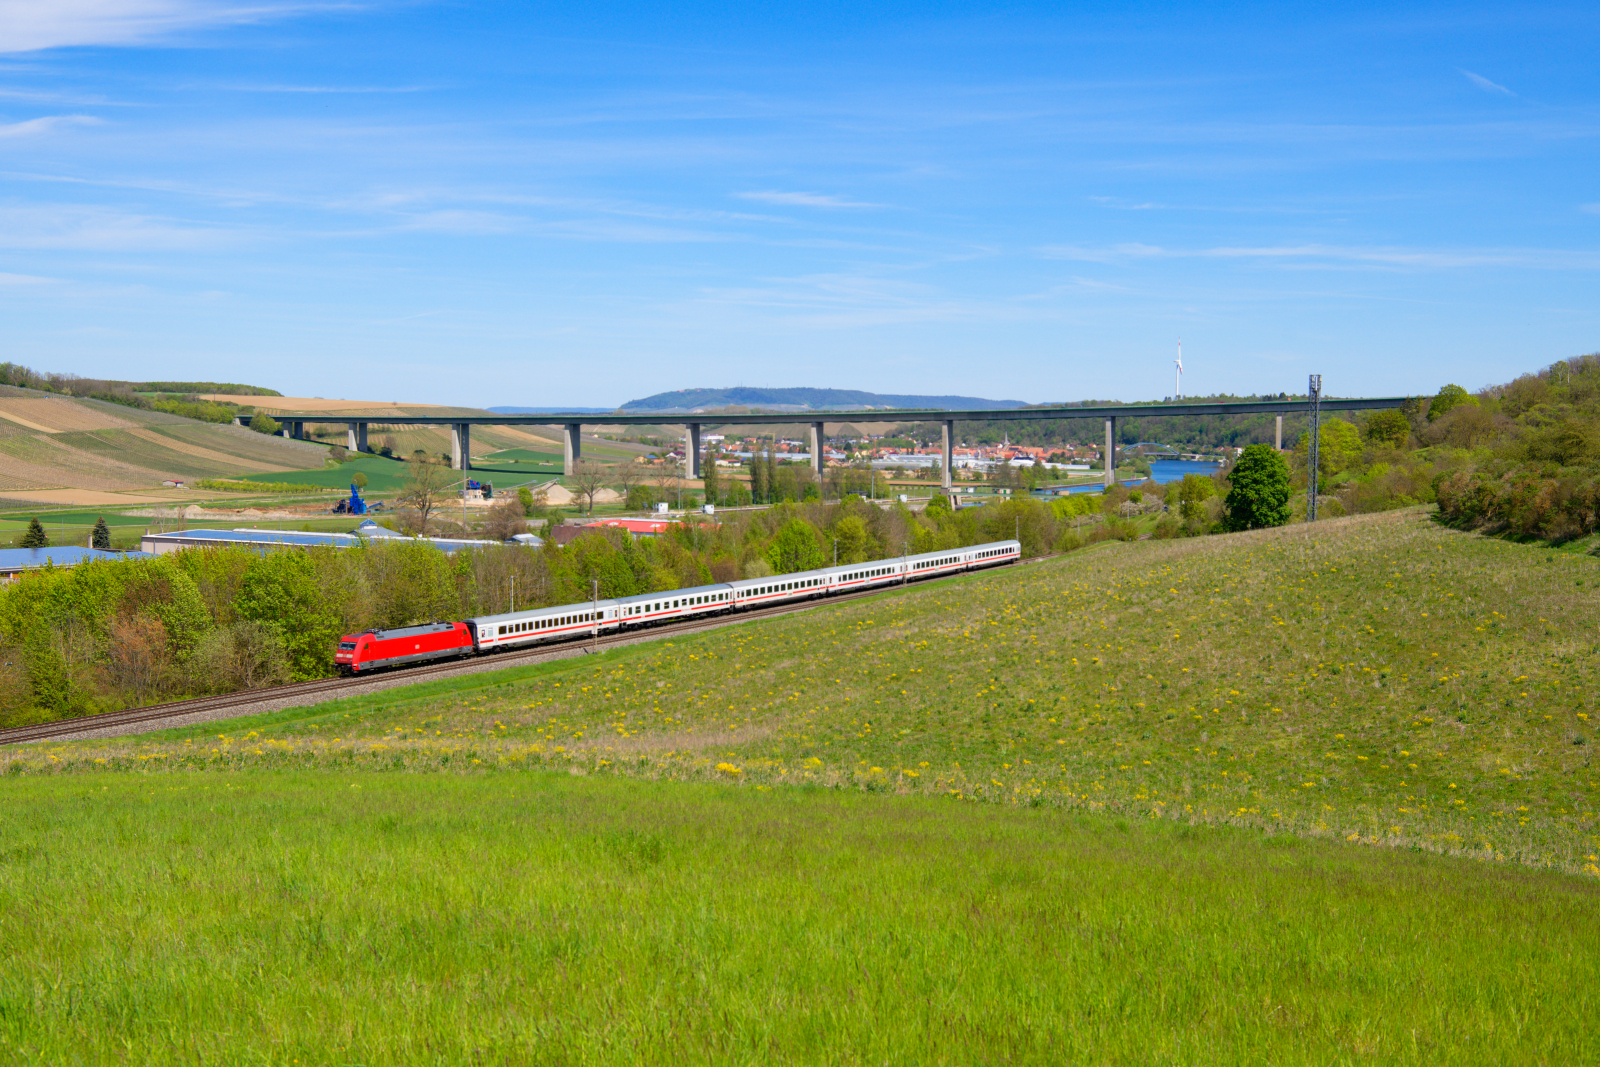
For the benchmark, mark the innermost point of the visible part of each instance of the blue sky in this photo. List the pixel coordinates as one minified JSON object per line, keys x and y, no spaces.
{"x":527,"y":204}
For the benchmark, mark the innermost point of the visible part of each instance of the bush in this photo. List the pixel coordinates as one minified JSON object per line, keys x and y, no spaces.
{"x":1389,"y":426}
{"x":1547,"y":503}
{"x":228,"y":485}
{"x":264,"y":423}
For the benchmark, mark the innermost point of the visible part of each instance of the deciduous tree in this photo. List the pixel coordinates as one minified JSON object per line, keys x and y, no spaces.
{"x":504,"y":521}
{"x":1258,"y":494}
{"x":666,"y":478}
{"x":625,"y":476}
{"x":1449,"y":398}
{"x":588,"y":478}
{"x":426,"y":487}
{"x":1390,"y":427}
{"x":137,"y":655}
{"x":795,"y":548}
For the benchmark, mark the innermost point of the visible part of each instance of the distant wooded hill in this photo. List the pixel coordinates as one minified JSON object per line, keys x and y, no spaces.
{"x":806,"y":400}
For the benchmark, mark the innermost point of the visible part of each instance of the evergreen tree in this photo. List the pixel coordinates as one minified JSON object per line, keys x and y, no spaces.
{"x":101,"y":538}
{"x":1259,"y":490}
{"x":758,"y":479}
{"x":35,"y":537}
{"x":713,"y":489}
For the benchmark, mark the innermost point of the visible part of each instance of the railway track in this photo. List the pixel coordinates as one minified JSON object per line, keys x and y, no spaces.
{"x":299,"y":694}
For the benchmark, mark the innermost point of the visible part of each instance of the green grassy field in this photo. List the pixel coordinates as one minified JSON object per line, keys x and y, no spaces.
{"x":74,"y":526}
{"x":520,"y":457}
{"x":1311,"y":795}
{"x":383,"y":475}
{"x":1379,"y":680}
{"x":357,"y":916}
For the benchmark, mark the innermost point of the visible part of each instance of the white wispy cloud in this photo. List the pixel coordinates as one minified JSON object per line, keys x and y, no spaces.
{"x":1370,"y":255}
{"x":45,"y":124}
{"x":354,"y":89}
{"x":100,"y":229}
{"x":851,"y":300}
{"x":1593,"y":209}
{"x":35,"y":25}
{"x":1484,"y":83}
{"x":796,"y":199}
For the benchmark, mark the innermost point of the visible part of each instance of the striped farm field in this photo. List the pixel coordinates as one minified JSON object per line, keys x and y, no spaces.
{"x":221,"y":461}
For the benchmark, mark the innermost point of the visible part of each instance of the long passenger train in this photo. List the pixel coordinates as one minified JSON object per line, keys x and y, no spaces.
{"x":376,"y":649}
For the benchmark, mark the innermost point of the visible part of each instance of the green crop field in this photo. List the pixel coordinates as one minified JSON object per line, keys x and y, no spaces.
{"x":355,"y":916}
{"x":383,"y":475}
{"x":1317,"y":794}
{"x":520,"y":457}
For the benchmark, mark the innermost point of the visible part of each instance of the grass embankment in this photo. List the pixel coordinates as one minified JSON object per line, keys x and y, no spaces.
{"x":357,"y":916}
{"x":1379,"y":680}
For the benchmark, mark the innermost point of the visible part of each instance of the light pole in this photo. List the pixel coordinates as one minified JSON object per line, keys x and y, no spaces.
{"x":513,"y":594}
{"x":594,"y":588}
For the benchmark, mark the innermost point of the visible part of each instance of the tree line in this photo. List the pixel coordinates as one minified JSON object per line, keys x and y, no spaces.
{"x":118,"y":633}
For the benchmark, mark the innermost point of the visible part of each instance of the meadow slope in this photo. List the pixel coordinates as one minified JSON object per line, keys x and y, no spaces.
{"x":1379,"y":680}
{"x":348,"y":916}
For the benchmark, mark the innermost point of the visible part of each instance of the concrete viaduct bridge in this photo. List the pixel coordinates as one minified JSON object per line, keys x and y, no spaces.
{"x":572,"y":425}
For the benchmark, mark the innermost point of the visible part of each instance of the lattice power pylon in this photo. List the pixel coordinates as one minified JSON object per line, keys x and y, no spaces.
{"x":1314,"y":395}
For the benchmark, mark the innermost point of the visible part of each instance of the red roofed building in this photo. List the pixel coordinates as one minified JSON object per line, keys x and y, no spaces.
{"x":639,"y":527}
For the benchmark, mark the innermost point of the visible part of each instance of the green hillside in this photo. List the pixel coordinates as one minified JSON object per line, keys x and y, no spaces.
{"x":1379,"y":680}
{"x":1180,"y":801}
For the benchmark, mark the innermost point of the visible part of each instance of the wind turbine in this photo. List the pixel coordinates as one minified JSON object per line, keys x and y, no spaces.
{"x":1177,"y":378}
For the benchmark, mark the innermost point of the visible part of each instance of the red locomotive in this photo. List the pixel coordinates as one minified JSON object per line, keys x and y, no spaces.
{"x":397,"y":648}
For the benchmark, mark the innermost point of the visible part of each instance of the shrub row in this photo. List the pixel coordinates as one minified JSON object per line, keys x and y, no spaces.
{"x":1540,"y":501}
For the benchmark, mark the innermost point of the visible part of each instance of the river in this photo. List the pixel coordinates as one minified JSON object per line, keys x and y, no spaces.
{"x":1162,"y":471}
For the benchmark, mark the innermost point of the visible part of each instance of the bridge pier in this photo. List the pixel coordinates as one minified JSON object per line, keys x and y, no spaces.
{"x":461,"y":446}
{"x":691,"y":450}
{"x":947,"y":453}
{"x":817,"y":437}
{"x":571,"y":447}
{"x":356,"y":436}
{"x":1278,"y":440}
{"x":1109,"y":457}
